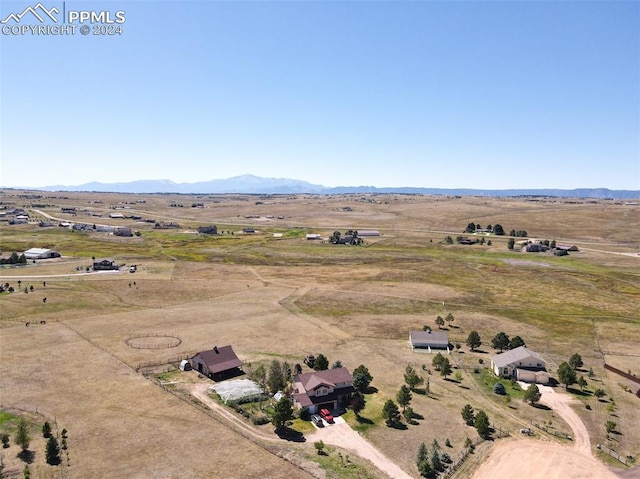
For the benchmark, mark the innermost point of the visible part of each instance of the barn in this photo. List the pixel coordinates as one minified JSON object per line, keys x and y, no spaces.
{"x":217,"y":363}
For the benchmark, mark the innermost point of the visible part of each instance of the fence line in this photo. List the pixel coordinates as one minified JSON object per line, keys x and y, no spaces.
{"x":612,"y":453}
{"x":462,"y":457}
{"x":164,"y":362}
{"x":552,"y":431}
{"x":628,"y":376}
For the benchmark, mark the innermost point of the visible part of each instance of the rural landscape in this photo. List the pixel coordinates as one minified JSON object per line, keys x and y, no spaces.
{"x":112,"y":304}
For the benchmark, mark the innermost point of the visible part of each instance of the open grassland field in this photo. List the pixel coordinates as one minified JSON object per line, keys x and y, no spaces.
{"x":283,"y":297}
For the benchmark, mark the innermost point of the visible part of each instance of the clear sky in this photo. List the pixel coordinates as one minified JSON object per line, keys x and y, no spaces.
{"x":477,"y":94}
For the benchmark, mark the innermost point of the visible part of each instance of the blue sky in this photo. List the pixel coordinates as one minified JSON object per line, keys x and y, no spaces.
{"x":431,"y":94}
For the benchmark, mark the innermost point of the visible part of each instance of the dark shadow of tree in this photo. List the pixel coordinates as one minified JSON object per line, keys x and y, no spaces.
{"x":363,"y":420}
{"x":26,"y":456}
{"x":291,"y":435}
{"x":398,"y":425}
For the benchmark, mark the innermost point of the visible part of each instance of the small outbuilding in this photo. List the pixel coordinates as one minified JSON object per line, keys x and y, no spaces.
{"x":428,"y":341}
{"x":185,"y":365}
{"x":217,"y":363}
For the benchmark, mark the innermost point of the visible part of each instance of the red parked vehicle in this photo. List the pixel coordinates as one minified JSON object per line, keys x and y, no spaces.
{"x":326,"y":415}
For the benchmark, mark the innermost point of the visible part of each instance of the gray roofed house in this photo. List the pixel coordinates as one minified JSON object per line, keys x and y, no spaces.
{"x":522,"y":364}
{"x":217,"y":363}
{"x":319,"y":389}
{"x":426,"y":341}
{"x":41,"y":253}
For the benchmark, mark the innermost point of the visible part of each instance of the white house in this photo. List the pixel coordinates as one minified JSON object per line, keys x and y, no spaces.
{"x":521,"y":364}
{"x":427,"y":341}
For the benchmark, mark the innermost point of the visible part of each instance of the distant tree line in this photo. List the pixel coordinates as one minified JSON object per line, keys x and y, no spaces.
{"x":350,"y":237}
{"x":14,"y":259}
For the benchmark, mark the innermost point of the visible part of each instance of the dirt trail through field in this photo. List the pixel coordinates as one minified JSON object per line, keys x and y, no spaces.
{"x":201,"y":392}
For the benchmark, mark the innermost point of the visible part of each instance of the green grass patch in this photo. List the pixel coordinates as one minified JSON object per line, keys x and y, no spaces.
{"x":487,"y":380}
{"x":302,"y":426}
{"x":8,"y":420}
{"x":369,"y":417}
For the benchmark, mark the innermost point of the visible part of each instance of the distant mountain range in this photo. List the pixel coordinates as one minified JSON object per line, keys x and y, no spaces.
{"x":250,"y":184}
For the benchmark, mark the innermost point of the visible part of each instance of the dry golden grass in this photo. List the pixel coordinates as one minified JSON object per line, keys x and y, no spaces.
{"x":284,"y":298}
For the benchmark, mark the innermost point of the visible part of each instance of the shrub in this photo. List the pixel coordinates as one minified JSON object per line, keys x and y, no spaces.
{"x":305,"y":415}
{"x":499,"y":389}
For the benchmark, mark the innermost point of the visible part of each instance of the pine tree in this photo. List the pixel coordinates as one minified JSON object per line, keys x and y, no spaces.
{"x":46,"y":429}
{"x":22,"y":437}
{"x":52,"y":451}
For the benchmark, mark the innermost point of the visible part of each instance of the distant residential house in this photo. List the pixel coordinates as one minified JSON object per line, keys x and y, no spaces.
{"x":217,"y":363}
{"x":429,"y":341}
{"x":45,"y":224}
{"x":560,"y":252}
{"x":105,"y":264}
{"x":71,"y":211}
{"x":322,"y":389}
{"x":105,"y":229}
{"x":123,"y":231}
{"x":116,"y":215}
{"x":208,"y":230}
{"x":248,"y":230}
{"x":165,"y":226}
{"x":314,"y":236}
{"x":467,"y":241}
{"x":567,"y":247}
{"x":521,"y":364}
{"x":362,"y":233}
{"x":534,"y":248}
{"x":41,"y":253}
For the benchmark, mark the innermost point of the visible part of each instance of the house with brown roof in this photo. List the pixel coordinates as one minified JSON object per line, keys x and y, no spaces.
{"x":322,"y":389}
{"x":217,"y":363}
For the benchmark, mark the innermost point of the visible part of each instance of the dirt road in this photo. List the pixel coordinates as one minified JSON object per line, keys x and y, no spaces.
{"x":536,"y":459}
{"x":343,"y":436}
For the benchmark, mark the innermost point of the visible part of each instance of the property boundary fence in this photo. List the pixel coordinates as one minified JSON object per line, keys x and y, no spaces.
{"x":552,"y":431}
{"x":612,"y":453}
{"x":174,"y":361}
{"x":628,"y":376}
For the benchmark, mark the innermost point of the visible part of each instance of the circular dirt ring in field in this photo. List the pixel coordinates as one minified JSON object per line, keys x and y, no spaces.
{"x":154,"y":341}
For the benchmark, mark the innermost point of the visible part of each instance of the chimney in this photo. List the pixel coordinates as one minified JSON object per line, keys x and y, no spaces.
{"x":215,"y":348}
